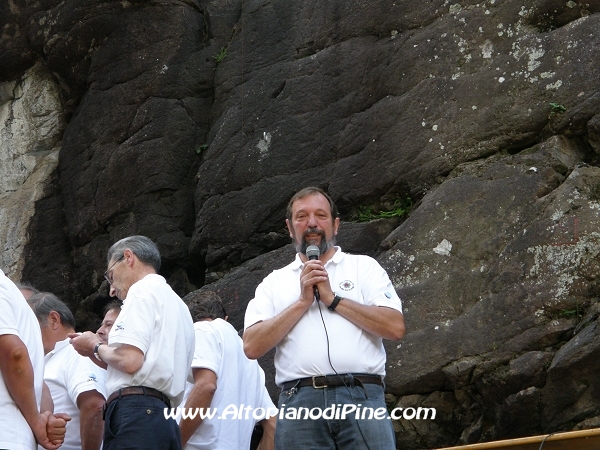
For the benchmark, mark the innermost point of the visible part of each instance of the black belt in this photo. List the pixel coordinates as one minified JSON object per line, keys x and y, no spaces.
{"x":343,"y":379}
{"x":137,"y":390}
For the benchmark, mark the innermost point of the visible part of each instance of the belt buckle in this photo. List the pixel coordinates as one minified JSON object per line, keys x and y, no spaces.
{"x":314,"y":379}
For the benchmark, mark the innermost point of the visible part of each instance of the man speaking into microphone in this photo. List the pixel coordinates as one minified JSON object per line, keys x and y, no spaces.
{"x":326,"y":313}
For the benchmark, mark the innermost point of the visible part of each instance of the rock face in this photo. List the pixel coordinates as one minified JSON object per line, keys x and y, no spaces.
{"x":31,"y":124}
{"x":193,"y":122}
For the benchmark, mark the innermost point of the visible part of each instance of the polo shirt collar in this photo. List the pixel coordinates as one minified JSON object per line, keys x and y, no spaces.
{"x":57,"y":347}
{"x":337,"y":258}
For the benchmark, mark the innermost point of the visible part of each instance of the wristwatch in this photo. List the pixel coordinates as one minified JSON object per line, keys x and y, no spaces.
{"x":96,"y":354}
{"x":334,"y":303}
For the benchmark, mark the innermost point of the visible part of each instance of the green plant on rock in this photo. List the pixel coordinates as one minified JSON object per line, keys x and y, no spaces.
{"x":400,"y":208}
{"x":221,"y":55}
{"x":569,"y":313}
{"x":556,"y":108}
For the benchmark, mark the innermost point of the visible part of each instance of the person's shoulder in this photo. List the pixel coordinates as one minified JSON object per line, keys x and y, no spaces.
{"x":152,"y":286}
{"x":354,"y":257}
{"x":294,"y":265}
{"x":152,"y":279}
{"x":224,"y":326}
{"x":210,"y":326}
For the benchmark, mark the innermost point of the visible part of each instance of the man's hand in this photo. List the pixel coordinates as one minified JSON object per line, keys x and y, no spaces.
{"x":57,"y":427}
{"x":313,"y":276}
{"x":84,"y":343}
{"x":49,"y":430}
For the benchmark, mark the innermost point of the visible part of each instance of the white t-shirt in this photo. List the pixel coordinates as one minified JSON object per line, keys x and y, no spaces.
{"x":67,"y":375}
{"x":155,"y":320}
{"x":303,"y":352}
{"x":240,"y":384}
{"x":16,"y":317}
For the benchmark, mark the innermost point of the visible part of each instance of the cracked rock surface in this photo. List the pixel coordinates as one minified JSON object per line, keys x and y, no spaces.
{"x":193,"y":122}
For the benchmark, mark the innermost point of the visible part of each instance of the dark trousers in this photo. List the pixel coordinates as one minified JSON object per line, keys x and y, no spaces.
{"x":138,"y":422}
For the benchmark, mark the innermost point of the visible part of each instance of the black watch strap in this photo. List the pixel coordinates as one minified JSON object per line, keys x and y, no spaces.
{"x":96,"y":354}
{"x":334,"y":303}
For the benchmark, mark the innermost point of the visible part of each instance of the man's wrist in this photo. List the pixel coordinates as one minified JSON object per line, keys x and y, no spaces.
{"x":334,"y":303}
{"x":97,"y":351}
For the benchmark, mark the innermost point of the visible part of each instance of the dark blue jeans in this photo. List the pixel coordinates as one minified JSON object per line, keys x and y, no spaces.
{"x":367,"y":427}
{"x":138,"y":422}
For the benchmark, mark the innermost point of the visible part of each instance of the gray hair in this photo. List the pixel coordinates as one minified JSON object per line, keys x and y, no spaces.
{"x":141,"y":246}
{"x":43,"y":303}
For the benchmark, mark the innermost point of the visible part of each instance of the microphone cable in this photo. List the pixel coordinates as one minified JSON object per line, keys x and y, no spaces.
{"x":340,"y":377}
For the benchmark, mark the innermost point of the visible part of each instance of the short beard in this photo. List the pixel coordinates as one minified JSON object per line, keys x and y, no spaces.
{"x":323,"y":246}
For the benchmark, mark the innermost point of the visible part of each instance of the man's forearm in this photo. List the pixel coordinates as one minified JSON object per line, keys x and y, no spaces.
{"x":380,"y":321}
{"x":47,"y":402}
{"x":17,"y":372}
{"x":267,"y":442}
{"x":18,"y":375}
{"x":91,"y":425}
{"x":263,"y":336}
{"x":200,"y":398}
{"x":126,"y":358}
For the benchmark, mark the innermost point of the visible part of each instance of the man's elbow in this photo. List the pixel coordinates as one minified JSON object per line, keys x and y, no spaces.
{"x":252,"y":343}
{"x":396,"y":329}
{"x":15,"y":354}
{"x":131,"y":368}
{"x":90,"y":403}
{"x":251,"y":350}
{"x":397,"y":333}
{"x":209,"y":388}
{"x":132,"y":365}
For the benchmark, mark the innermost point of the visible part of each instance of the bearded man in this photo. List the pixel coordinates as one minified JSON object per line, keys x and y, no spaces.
{"x":326,"y":315}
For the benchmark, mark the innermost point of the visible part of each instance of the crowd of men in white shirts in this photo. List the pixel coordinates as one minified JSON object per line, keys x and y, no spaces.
{"x":78,"y":408}
{"x":326,"y":314}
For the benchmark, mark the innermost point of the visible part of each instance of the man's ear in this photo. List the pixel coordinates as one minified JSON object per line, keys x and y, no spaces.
{"x":128,"y":255}
{"x":336,"y":226}
{"x":289,"y":227}
{"x":53,"y":320}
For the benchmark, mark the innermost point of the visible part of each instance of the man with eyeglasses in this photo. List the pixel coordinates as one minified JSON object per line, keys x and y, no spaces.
{"x":149,"y":351}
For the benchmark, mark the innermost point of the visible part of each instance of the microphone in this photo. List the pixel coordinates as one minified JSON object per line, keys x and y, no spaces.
{"x":312,"y":253}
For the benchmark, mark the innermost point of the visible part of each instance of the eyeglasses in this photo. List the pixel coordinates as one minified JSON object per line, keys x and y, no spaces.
{"x":108,"y":277}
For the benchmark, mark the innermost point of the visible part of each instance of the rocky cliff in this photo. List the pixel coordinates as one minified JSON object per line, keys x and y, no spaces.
{"x":193,"y":122}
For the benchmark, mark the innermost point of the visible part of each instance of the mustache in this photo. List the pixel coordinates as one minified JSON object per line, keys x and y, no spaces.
{"x":313,"y":231}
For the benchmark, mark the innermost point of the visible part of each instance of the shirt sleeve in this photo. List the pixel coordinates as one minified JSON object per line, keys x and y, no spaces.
{"x":82,"y":376}
{"x":8,"y":320}
{"x":208,"y":349}
{"x":380,"y":291}
{"x":135,"y":324}
{"x":261,"y":306}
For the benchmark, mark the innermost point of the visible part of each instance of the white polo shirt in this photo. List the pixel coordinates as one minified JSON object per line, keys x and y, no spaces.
{"x":240,"y":384}
{"x":155,"y":320}
{"x":67,"y":375}
{"x":303,"y":352}
{"x":16,"y":317}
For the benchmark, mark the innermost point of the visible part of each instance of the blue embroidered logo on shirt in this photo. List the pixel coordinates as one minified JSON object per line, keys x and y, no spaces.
{"x":92,"y":377}
{"x":388,"y":294}
{"x":120,"y":326}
